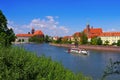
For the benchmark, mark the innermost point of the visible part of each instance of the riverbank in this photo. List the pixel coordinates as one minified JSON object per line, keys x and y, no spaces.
{"x":19,"y":64}
{"x":90,"y":47}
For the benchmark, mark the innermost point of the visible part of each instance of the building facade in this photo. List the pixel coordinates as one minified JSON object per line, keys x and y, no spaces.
{"x":24,"y":38}
{"x":92,"y":32}
{"x":111,"y":37}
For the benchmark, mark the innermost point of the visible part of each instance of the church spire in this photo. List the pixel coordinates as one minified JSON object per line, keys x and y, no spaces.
{"x":33,"y":30}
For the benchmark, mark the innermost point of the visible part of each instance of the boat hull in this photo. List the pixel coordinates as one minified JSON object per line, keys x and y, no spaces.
{"x":79,"y":51}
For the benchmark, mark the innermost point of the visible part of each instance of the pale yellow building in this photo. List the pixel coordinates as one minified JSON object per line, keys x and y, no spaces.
{"x":112,"y":37}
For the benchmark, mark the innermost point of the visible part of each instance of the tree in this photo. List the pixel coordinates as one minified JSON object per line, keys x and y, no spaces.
{"x":94,"y":41}
{"x":36,"y":39}
{"x":106,"y":42}
{"x":47,"y":39}
{"x":99,"y":41}
{"x":83,"y":38}
{"x":6,"y":35}
{"x":59,"y":40}
{"x":114,"y":43}
{"x":118,"y":43}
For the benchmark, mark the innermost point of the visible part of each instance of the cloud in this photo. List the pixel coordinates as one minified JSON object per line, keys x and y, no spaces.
{"x":112,"y":30}
{"x":16,"y":28}
{"x":50,"y":18}
{"x":48,"y":25}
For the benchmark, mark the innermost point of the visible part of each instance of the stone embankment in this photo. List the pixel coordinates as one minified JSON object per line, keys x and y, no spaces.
{"x":90,"y":47}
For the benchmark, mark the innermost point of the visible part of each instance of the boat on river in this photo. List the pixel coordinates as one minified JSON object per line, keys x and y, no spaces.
{"x":78,"y":50}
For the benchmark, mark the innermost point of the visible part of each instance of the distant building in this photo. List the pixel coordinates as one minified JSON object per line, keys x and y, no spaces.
{"x":25,"y":37}
{"x":76,"y":36}
{"x":55,"y":38}
{"x":112,"y":37}
{"x":92,"y":32}
{"x":68,"y":38}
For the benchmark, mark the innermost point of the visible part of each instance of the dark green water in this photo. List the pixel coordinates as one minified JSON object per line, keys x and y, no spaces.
{"x":91,"y":65}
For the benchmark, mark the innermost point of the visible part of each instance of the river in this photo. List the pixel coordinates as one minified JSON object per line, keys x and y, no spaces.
{"x":90,"y":65}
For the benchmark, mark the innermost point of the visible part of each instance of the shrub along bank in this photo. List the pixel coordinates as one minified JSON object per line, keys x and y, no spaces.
{"x":19,"y":64}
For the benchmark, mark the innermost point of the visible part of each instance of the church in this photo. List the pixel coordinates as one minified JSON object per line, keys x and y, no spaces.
{"x":24,"y":38}
{"x":111,"y":37}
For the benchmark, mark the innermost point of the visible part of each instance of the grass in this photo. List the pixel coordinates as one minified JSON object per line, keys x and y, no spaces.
{"x":19,"y":64}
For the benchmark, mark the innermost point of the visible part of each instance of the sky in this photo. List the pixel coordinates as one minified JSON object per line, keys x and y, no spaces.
{"x":61,"y":17}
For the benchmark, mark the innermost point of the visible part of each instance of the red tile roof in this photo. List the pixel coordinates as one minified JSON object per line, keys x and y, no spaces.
{"x":93,"y":32}
{"x":24,"y":35}
{"x":110,"y":34}
{"x":67,"y":37}
{"x":96,"y":30}
{"x":77,"y":34}
{"x":38,"y":32}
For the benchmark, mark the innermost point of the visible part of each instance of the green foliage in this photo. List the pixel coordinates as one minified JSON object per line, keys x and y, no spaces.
{"x":99,"y":41}
{"x":18,"y":64}
{"x":2,"y":38}
{"x":118,"y":43}
{"x":59,"y":40}
{"x":83,"y":38}
{"x":96,"y":41}
{"x":36,"y":39}
{"x":6,"y":35}
{"x":106,"y":42}
{"x":47,"y":39}
{"x":114,"y":43}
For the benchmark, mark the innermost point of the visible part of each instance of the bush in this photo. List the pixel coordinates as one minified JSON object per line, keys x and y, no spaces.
{"x":118,"y":43}
{"x":18,"y":64}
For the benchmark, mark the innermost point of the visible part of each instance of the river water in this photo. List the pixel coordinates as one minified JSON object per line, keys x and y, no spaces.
{"x":90,"y":65}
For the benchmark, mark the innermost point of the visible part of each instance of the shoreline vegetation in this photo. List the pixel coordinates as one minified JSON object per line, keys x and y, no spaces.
{"x":19,"y":64}
{"x":90,"y":47}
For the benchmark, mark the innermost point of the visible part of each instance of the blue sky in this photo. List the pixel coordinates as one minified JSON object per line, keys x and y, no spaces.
{"x":61,"y":17}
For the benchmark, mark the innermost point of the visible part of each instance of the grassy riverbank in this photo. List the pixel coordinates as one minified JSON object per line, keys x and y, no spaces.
{"x":19,"y":64}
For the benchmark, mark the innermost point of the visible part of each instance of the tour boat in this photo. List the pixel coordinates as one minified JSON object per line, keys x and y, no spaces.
{"x":77,"y":50}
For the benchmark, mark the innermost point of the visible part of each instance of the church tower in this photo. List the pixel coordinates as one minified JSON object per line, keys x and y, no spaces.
{"x":33,"y":30}
{"x":88,"y":28}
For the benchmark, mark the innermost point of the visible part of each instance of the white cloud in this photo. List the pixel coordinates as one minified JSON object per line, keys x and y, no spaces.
{"x":50,"y":18}
{"x":16,"y":28}
{"x":48,"y":25}
{"x":64,"y":29}
{"x":112,"y":30}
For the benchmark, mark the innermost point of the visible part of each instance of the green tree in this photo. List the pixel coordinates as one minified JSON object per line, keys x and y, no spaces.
{"x":94,"y":41}
{"x":36,"y":39}
{"x":47,"y":39}
{"x":106,"y":42}
{"x":118,"y":43}
{"x":6,"y":35}
{"x":59,"y":40}
{"x":99,"y":41}
{"x":83,"y":38}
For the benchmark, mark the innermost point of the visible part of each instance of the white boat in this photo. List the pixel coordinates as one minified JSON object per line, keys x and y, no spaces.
{"x":77,"y":50}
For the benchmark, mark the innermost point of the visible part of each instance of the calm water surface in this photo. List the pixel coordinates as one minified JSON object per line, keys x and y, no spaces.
{"x":91,"y":65}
